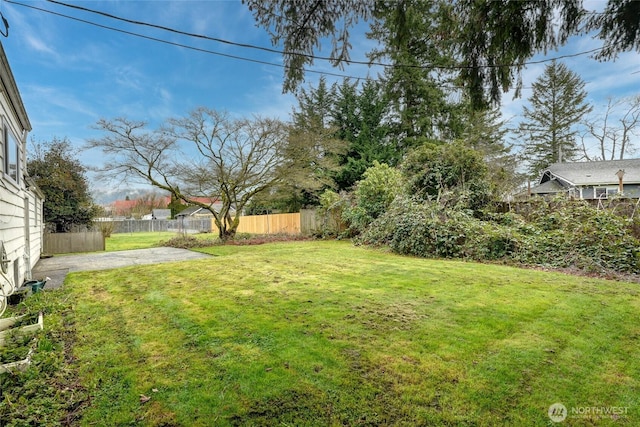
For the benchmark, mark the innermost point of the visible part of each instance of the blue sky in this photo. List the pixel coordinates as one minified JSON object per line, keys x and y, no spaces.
{"x":71,"y":74}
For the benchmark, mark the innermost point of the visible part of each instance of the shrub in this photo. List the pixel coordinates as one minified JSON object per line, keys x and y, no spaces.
{"x":373,"y":195}
{"x":570,"y":233}
{"x":188,"y":242}
{"x":452,"y":174}
{"x":426,"y":229}
{"x":332,"y":207}
{"x":105,"y":227}
{"x":556,"y":234}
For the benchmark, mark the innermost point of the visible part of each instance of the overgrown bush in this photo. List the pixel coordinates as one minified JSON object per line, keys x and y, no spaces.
{"x":105,"y":227}
{"x":427,"y":229}
{"x":373,"y":195}
{"x":330,"y":212}
{"x":573,"y":233}
{"x":556,"y":234}
{"x":452,"y":174}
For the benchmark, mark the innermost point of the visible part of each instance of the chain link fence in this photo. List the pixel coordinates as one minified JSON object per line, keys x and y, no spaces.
{"x":182,"y":225}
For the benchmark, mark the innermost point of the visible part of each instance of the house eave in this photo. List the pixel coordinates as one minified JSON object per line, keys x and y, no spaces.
{"x":33,"y":187}
{"x":10,"y":88}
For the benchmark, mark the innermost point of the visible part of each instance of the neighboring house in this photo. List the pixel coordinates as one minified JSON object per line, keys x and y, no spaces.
{"x":122,"y":207}
{"x":194,"y":212}
{"x":157,"y":214}
{"x":198,"y":212}
{"x":21,"y":202}
{"x":161,"y":214}
{"x":591,"y":180}
{"x":145,"y":207}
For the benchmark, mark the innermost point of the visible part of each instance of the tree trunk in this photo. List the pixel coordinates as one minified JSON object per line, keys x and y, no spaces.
{"x":227,"y":227}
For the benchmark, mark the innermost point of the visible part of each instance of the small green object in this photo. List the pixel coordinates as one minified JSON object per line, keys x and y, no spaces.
{"x":36,"y":285}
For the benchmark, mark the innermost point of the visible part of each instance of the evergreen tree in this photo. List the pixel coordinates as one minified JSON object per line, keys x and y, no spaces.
{"x":549,"y":129}
{"x":175,"y":205}
{"x":314,"y":106}
{"x":62,"y":179}
{"x":359,"y":117}
{"x":493,"y":38}
{"x":485,"y":132}
{"x":313,"y":152}
{"x":418,"y":85}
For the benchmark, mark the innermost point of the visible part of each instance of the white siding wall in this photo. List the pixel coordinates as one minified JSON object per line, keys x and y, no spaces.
{"x":12,"y":207}
{"x":12,"y":230}
{"x":16,"y":200}
{"x":36,"y":227}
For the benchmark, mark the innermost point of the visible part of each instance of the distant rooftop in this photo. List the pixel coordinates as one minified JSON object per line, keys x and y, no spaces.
{"x":594,"y":173}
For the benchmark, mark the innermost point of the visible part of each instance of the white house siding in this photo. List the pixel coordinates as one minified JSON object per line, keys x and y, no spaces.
{"x":20,"y":207}
{"x":35,"y":227}
{"x":12,"y":232}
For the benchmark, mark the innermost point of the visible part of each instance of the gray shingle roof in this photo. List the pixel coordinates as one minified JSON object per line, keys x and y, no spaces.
{"x":190,"y":211}
{"x":548,"y":187}
{"x":597,"y":173}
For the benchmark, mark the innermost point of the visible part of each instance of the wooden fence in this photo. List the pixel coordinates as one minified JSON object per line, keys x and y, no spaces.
{"x":304,"y":223}
{"x":64,"y":243}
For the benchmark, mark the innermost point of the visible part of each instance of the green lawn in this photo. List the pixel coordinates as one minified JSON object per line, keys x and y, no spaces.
{"x":325,"y":333}
{"x":128,"y":241}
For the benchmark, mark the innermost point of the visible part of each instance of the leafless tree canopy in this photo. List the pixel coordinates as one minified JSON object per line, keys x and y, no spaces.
{"x":206,"y":159}
{"x":614,"y":129}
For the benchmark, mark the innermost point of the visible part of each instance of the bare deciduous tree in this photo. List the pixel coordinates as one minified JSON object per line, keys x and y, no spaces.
{"x":205,"y":159}
{"x":613,"y":129}
{"x":146,"y":203}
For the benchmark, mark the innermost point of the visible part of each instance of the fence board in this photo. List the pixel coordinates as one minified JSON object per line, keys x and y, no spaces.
{"x":309,"y":222}
{"x":64,"y":243}
{"x":268,"y":224}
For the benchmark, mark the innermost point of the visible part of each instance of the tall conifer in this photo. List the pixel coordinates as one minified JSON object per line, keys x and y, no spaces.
{"x":550,"y":124}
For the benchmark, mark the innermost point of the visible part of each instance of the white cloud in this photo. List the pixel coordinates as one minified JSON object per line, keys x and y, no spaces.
{"x":40,"y":46}
{"x":162,"y":105}
{"x":53,"y":100}
{"x":128,"y":77}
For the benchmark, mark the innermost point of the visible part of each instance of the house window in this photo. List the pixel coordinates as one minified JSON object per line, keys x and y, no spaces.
{"x":11,"y":155}
{"x":605,"y":192}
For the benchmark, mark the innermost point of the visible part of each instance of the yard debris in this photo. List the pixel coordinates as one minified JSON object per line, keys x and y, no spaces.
{"x":144,"y":399}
